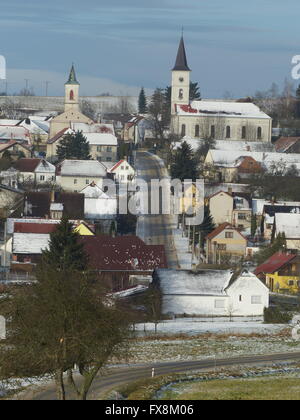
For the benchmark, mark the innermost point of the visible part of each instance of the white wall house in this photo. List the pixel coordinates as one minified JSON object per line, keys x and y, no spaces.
{"x":75,"y":175}
{"x":35,"y":170}
{"x":97,"y":204}
{"x":211,"y":293}
{"x":123,"y":172}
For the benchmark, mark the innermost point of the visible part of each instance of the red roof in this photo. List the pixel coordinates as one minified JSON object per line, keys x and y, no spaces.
{"x":45,"y":228}
{"x":27,"y":165}
{"x":117,"y":165}
{"x":123,"y":253}
{"x":284,"y":143}
{"x":274,"y":263}
{"x":220,"y":229}
{"x":58,"y":135}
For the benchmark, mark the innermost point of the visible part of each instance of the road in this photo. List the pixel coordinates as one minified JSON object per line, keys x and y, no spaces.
{"x":119,"y":376}
{"x":154,"y":229}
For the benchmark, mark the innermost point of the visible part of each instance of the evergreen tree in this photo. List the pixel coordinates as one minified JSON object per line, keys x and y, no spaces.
{"x":142,"y":102}
{"x":74,"y":146}
{"x":253,"y":225}
{"x":184,"y":166}
{"x":206,"y":227}
{"x":65,"y":252}
{"x":195,"y":94}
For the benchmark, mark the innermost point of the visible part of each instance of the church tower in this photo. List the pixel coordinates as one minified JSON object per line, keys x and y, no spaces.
{"x":180,"y":79}
{"x":72,"y":92}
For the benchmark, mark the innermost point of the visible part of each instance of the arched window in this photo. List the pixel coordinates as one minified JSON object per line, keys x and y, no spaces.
{"x":259,"y":133}
{"x":228,"y":132}
{"x":180,"y":96}
{"x":212,"y":131}
{"x":72,"y":95}
{"x":197,"y":130}
{"x":183,"y":130}
{"x":243,"y":132}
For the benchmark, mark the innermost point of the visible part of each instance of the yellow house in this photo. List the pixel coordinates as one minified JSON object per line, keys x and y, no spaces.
{"x":281,"y":273}
{"x":225,"y":244}
{"x":190,"y":200}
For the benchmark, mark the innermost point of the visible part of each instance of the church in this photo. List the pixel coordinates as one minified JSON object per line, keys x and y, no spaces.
{"x":72,"y":112}
{"x":232,"y":120}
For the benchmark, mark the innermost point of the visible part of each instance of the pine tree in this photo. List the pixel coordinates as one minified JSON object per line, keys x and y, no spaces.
{"x":142,"y":102}
{"x":184,"y":166}
{"x":195,"y":94}
{"x":65,"y":252}
{"x":74,"y":146}
{"x":206,"y":227}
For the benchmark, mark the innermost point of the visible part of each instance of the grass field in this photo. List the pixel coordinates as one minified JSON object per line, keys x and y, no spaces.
{"x":273,"y":388}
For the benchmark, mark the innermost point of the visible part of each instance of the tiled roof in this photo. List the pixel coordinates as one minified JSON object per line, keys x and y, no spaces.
{"x":123,"y":253}
{"x":274,"y":263}
{"x":285,"y":143}
{"x":27,"y":165}
{"x":34,"y":228}
{"x":220,"y":229}
{"x":59,"y":135}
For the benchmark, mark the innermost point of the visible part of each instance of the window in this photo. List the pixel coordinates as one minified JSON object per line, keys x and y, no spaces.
{"x":219,"y":304}
{"x":256,"y":300}
{"x":259,"y":133}
{"x":109,"y":148}
{"x":221,"y":247}
{"x":122,"y":168}
{"x":291,"y":283}
{"x":212,"y":131}
{"x":197,"y":130}
{"x":108,"y":159}
{"x":42,"y":178}
{"x":71,"y":95}
{"x":228,"y":235}
{"x":75,"y":181}
{"x":99,"y":148}
{"x":87,"y":181}
{"x":99,"y":158}
{"x":240,"y":298}
{"x":180,"y":95}
{"x":243,"y":132}
{"x":228,"y":132}
{"x":183,"y":130}
{"x":242,"y":216}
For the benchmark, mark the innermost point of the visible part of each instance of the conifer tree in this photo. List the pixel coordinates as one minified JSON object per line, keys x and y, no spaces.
{"x":65,"y":252}
{"x":74,"y":146}
{"x":142,"y":102}
{"x":184,"y":166}
{"x":206,"y":227}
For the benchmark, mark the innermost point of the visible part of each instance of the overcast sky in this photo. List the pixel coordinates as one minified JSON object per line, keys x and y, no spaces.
{"x":118,"y":46}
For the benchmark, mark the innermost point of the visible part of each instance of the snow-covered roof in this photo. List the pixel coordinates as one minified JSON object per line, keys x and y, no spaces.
{"x":11,"y":132}
{"x":288,"y":223}
{"x":231,"y":158}
{"x":230,"y":109}
{"x":93,"y":191}
{"x":101,"y":139}
{"x":91,"y":168}
{"x":94,"y":128}
{"x":250,"y":146}
{"x":203,"y":282}
{"x":30,"y":243}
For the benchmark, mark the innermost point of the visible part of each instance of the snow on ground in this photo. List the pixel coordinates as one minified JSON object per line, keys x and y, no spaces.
{"x":193,"y":326}
{"x":182,"y":248}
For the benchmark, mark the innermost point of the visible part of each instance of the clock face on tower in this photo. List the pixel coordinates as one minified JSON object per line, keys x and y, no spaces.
{"x":181,"y":79}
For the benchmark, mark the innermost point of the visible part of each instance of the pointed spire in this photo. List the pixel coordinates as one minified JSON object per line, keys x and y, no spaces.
{"x":181,"y":61}
{"x":72,"y":77}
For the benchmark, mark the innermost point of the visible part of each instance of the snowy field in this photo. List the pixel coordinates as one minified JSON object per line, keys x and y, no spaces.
{"x":194,"y":326}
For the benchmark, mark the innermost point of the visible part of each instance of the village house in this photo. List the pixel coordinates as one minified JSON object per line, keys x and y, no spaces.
{"x":75,"y":175}
{"x":225,"y":244}
{"x":10,"y":198}
{"x":103,"y":146}
{"x":228,"y":207}
{"x":15,"y":150}
{"x":223,"y":120}
{"x":269,"y":211}
{"x":281,"y":273}
{"x":289,"y":224}
{"x":98,"y":205}
{"x":35,"y":171}
{"x":123,"y":172}
{"x":54,"y":142}
{"x":53,"y":205}
{"x":13,"y":132}
{"x":211,"y":293}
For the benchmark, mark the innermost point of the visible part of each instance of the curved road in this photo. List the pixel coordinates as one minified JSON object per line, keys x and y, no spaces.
{"x":118,"y":376}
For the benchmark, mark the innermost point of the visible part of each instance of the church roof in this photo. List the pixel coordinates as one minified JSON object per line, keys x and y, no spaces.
{"x":181,"y":60}
{"x":72,"y":77}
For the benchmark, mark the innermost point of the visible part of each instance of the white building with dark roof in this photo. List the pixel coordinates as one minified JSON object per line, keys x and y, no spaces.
{"x":223,"y":120}
{"x":211,"y":293}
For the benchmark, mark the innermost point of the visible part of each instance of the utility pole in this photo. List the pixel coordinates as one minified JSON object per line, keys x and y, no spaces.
{"x":47,"y":82}
{"x":26,"y":83}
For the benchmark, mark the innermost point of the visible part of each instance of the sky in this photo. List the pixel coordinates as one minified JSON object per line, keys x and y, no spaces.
{"x":117,"y":46}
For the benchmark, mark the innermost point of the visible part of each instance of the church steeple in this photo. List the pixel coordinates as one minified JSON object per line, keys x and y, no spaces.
{"x":72,"y":77}
{"x":181,"y":60}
